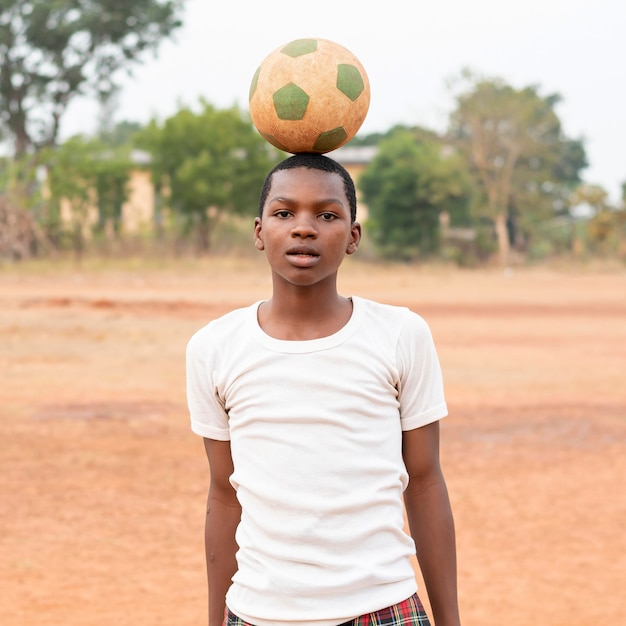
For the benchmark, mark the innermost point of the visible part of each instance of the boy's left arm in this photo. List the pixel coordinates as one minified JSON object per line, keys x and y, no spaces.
{"x":430,"y":521}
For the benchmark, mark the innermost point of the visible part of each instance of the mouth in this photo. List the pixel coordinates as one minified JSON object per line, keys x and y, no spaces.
{"x":303,"y":256}
{"x":302,"y":251}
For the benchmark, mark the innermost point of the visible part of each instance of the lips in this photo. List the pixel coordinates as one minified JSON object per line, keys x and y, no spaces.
{"x":303,"y":256}
{"x":303,"y":251}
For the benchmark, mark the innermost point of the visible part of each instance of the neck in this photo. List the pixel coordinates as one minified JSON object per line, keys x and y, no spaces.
{"x":302,"y":313}
{"x":305,"y":300}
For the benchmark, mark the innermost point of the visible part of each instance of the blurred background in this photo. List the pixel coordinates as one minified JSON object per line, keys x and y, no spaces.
{"x":502,"y":130}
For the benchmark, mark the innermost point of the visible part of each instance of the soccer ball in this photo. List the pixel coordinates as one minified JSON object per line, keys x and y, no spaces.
{"x":310,"y":95}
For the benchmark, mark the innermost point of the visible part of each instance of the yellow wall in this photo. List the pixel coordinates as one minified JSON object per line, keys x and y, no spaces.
{"x":138,"y":210}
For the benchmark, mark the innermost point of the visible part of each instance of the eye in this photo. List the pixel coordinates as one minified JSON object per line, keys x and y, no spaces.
{"x":328,"y":217}
{"x":282,"y":213}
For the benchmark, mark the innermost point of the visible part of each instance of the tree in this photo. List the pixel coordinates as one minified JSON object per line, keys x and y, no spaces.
{"x":121,"y":134}
{"x":518,"y":153}
{"x":595,"y":197}
{"x":19,"y":235}
{"x":606,"y":233}
{"x":406,"y":187}
{"x":89,"y":176}
{"x":605,"y":225}
{"x":542,"y":189}
{"x":54,"y":50}
{"x":207,"y":163}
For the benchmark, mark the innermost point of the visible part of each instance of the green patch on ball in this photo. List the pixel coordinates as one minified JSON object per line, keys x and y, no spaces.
{"x":328,"y":140}
{"x":254,"y":83}
{"x":290,"y":102}
{"x":299,"y":47}
{"x":349,"y":81}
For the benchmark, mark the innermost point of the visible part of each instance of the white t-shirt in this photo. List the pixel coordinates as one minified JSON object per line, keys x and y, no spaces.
{"x":316,"y":438}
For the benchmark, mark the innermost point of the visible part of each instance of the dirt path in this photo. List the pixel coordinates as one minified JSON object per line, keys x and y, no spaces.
{"x":103,"y":486}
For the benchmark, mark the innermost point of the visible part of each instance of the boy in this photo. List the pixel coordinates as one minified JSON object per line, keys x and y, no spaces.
{"x":320,"y":416}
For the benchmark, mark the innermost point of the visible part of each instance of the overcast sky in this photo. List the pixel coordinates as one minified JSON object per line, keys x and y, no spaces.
{"x":409,"y":48}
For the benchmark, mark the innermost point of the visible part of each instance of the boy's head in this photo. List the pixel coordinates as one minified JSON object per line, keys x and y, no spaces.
{"x":313,"y":161}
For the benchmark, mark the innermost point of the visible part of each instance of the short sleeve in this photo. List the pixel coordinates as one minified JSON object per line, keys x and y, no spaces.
{"x":206,"y":409}
{"x":421,"y":390}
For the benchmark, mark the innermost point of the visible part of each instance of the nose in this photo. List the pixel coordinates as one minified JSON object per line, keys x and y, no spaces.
{"x":304,"y":227}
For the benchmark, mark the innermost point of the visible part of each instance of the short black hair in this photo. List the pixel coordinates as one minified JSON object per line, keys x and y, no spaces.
{"x":313,"y":161}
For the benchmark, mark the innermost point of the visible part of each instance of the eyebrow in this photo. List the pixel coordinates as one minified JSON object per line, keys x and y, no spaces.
{"x":319,"y":203}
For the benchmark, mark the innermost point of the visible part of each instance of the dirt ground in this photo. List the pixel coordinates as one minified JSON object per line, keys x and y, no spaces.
{"x":103,"y":486}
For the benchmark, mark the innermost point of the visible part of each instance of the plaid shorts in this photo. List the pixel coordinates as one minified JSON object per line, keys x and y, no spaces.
{"x":407,"y":613}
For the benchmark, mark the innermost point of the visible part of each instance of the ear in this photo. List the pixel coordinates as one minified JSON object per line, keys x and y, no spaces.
{"x":258,"y":234}
{"x":355,"y":238}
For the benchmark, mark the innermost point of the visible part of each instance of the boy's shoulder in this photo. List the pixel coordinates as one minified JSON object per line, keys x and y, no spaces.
{"x":394,"y":314}
{"x":222,"y":328}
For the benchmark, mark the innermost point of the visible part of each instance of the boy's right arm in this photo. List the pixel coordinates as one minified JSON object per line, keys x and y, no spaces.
{"x":222,"y":518}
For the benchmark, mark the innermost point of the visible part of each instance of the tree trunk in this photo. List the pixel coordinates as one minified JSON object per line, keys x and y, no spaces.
{"x":203,"y":233}
{"x":502,"y":234}
{"x":21,"y":143}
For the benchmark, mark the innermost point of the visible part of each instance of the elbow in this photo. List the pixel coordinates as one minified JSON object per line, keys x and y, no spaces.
{"x":421,"y":483}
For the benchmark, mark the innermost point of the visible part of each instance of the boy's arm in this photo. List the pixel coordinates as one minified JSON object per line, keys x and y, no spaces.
{"x":222,"y":517}
{"x":430,"y":521}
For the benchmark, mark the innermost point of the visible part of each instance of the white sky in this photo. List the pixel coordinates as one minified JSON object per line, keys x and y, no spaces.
{"x":409,"y":48}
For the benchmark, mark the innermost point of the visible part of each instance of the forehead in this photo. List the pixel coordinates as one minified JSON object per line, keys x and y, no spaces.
{"x":303,"y":181}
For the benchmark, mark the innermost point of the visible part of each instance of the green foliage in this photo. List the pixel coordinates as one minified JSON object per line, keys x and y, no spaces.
{"x":206,"y":163}
{"x":121,"y":135}
{"x":593,"y":196}
{"x":89,"y":176}
{"x":406,"y":187}
{"x":18,"y":180}
{"x":606,"y":233}
{"x":53,"y":50}
{"x":420,"y":134}
{"x":20,"y":205}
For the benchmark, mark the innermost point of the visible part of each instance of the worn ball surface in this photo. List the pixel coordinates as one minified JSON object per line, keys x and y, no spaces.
{"x":309,"y":95}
